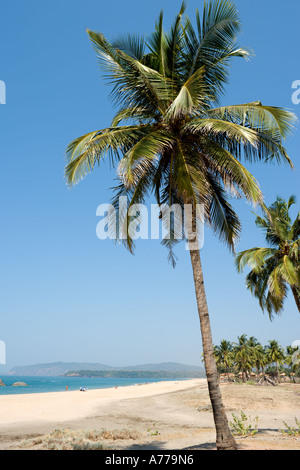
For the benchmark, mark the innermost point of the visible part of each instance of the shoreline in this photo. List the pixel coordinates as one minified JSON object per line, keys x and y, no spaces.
{"x":67,"y":405}
{"x":86,"y":382}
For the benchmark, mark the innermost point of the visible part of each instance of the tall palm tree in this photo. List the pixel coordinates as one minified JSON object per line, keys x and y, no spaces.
{"x":243,"y":353}
{"x":223,"y":355}
{"x":171,"y":138}
{"x":276,"y":267}
{"x":275,"y":354}
{"x":258,"y":355}
{"x":260,"y":360}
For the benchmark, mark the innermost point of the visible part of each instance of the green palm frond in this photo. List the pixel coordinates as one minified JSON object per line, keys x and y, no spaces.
{"x":213,"y":44}
{"x":133,"y":45}
{"x":191,"y":98}
{"x":87,"y":151}
{"x":220,"y":128}
{"x":222,"y":218}
{"x":275,"y":268}
{"x":169,"y":136}
{"x":288,"y":271}
{"x":174,"y":45}
{"x":295,"y":229}
{"x":134,"y":84}
{"x":157,"y":45}
{"x":147,"y":148}
{"x":231,"y":171}
{"x":268,"y":119}
{"x":255,"y":258}
{"x":219,"y":27}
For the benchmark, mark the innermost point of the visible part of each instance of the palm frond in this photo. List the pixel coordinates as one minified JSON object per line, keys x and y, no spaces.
{"x":220,"y":26}
{"x":133,"y":45}
{"x":158,"y":45}
{"x":191,"y":98}
{"x":87,"y":151}
{"x":255,"y":258}
{"x":266,"y":119}
{"x":174,"y":44}
{"x":146,"y":149}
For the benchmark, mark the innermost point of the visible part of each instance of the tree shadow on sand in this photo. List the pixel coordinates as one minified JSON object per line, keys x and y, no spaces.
{"x":158,"y":445}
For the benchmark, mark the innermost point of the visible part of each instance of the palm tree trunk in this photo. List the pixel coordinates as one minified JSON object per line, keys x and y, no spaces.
{"x":296,"y":297}
{"x":277,"y":371}
{"x":224,"y":438}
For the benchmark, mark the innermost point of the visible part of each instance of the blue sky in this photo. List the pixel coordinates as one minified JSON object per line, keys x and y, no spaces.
{"x":66,"y":295}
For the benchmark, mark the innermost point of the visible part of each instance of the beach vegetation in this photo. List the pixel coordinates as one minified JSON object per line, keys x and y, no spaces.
{"x":67,"y":439}
{"x":153,"y":430}
{"x":293,"y":431}
{"x":242,"y":425}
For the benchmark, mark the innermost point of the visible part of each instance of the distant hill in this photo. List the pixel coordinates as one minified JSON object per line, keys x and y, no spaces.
{"x":137,"y":374}
{"x":168,"y":366}
{"x":55,"y":369}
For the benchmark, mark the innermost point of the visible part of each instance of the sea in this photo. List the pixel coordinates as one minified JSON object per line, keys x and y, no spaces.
{"x":59,"y":384}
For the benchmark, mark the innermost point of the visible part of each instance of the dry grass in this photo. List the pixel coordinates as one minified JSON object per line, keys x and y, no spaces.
{"x":65,"y":439}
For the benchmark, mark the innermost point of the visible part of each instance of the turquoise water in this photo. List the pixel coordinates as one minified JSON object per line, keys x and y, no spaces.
{"x":58,"y":384}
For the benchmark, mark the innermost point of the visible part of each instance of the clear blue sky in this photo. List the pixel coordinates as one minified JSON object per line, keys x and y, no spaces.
{"x":65,"y":295}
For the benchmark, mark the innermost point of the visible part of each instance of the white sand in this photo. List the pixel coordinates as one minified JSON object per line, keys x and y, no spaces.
{"x":166,"y":415}
{"x":72,"y":405}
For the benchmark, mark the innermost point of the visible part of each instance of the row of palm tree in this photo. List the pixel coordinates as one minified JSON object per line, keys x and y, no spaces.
{"x":172,"y":138}
{"x":248,"y":356}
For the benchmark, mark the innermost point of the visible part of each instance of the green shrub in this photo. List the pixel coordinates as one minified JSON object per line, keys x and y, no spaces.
{"x":290,"y":431}
{"x":241,"y":426}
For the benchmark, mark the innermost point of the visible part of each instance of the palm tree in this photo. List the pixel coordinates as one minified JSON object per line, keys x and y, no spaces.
{"x":276,"y":267}
{"x":275,"y":354}
{"x":223,"y":355}
{"x":243,"y":354}
{"x":258,"y":358}
{"x":171,"y":138}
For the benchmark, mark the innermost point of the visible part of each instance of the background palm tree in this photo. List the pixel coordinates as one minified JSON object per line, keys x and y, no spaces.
{"x":276,"y":267}
{"x":248,"y":354}
{"x":223,"y":355}
{"x":260,"y":360}
{"x":243,"y":356}
{"x":177,"y":143}
{"x":258,"y":357}
{"x":275,"y":354}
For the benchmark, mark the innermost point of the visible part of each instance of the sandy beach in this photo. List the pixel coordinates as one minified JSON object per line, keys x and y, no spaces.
{"x":164,"y":415}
